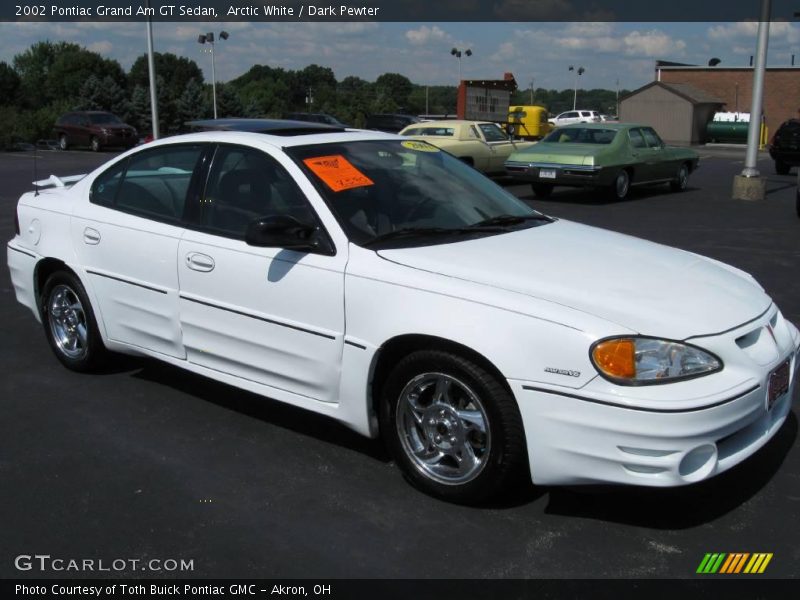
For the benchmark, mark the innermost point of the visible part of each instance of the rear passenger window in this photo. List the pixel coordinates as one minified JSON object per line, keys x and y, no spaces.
{"x":637,"y":141}
{"x":151,"y":184}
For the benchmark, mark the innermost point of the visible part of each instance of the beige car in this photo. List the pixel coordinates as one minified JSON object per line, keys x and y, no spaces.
{"x":482,"y":144}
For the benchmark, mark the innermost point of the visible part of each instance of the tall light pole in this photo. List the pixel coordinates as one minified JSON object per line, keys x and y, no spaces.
{"x":578,"y":72}
{"x":749,"y":185}
{"x":531,"y":91}
{"x":208,"y":38}
{"x":457,"y":53}
{"x":151,"y":69}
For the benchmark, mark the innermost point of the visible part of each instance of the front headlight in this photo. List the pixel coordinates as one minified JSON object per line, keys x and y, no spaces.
{"x":644,"y":361}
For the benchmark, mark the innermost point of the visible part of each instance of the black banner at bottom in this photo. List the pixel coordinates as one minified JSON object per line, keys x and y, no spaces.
{"x":729,"y":588}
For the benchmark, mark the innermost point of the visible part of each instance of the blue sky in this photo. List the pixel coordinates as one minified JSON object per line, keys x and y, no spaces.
{"x":421,"y":51}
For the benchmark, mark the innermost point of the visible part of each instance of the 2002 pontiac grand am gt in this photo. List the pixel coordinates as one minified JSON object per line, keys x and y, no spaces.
{"x":382,"y":282}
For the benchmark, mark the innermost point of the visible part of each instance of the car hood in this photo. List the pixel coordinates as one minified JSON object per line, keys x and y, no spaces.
{"x":545,"y":152}
{"x":645,"y":287}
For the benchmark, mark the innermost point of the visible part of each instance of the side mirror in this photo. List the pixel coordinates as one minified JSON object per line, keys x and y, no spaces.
{"x":283,"y":231}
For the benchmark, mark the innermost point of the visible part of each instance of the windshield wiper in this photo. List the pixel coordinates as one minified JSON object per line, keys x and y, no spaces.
{"x":512,"y":220}
{"x":430,"y":231}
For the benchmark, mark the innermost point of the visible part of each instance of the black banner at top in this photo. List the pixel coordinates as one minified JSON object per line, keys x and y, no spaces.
{"x":394,"y":10}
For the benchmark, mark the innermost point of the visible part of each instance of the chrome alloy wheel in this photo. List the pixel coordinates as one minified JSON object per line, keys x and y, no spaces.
{"x":68,"y":322}
{"x":443,"y":428}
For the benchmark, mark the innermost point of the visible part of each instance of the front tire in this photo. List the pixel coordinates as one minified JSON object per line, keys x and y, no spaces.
{"x":62,"y":142}
{"x":69,"y":323}
{"x":681,"y":181}
{"x":781,"y":168}
{"x":453,"y":428}
{"x":94,"y":144}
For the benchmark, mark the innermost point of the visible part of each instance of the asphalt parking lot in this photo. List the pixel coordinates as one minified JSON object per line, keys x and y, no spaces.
{"x":148,"y":461}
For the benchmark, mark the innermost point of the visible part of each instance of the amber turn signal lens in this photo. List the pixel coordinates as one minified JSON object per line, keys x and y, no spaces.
{"x":616,"y":358}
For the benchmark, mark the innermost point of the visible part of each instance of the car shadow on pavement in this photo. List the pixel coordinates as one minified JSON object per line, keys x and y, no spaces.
{"x":270,"y":411}
{"x":683,"y":507}
{"x":599,"y":197}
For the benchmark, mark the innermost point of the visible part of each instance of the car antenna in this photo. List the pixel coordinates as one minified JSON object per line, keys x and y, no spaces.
{"x":35,"y":171}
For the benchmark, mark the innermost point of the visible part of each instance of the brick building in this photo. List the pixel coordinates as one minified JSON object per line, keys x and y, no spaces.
{"x":734,"y":87}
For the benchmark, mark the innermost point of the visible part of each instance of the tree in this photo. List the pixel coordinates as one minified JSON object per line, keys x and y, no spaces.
{"x":228,"y":103}
{"x":105,"y":94}
{"x":175,"y":71}
{"x":9,"y":84}
{"x":51,"y":72}
{"x":192,"y":104}
{"x":395,"y":87}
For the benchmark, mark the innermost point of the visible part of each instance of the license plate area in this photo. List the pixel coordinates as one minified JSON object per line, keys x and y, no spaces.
{"x":778,"y":384}
{"x":547,"y":173}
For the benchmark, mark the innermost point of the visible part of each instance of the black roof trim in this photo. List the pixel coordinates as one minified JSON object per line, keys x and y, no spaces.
{"x":280,"y":127}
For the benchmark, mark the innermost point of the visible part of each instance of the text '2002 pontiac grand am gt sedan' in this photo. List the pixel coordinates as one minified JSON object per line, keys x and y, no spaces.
{"x":383,"y":282}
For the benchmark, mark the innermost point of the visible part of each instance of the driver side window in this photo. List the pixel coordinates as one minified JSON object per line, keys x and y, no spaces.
{"x":245,"y":185}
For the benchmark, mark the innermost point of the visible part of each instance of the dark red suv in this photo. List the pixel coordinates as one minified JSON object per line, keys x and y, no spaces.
{"x":93,"y":128}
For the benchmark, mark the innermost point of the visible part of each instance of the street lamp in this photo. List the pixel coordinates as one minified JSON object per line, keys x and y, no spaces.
{"x":208,"y":38}
{"x":457,"y":53}
{"x":578,"y":72}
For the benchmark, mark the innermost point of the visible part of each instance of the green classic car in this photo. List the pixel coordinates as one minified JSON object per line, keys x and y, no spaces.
{"x":611,"y":156}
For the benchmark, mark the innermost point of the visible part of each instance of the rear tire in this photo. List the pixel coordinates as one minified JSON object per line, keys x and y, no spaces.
{"x":94,"y":144}
{"x":542,"y":190}
{"x":62,"y":142}
{"x":621,"y":187}
{"x":69,"y":323}
{"x":452,"y":427}
{"x":681,"y":181}
{"x":781,"y":168}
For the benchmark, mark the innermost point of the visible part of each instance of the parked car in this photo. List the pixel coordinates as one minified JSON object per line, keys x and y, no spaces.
{"x":576,"y":116}
{"x":482,"y":144}
{"x":784,"y":148}
{"x":315,"y":118}
{"x":382,"y":282}
{"x":390,"y":123}
{"x":95,"y":129}
{"x":613,"y":156}
{"x":48,"y":145}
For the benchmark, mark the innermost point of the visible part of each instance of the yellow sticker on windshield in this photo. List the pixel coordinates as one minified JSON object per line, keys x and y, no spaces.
{"x":420,"y":146}
{"x":337,"y":172}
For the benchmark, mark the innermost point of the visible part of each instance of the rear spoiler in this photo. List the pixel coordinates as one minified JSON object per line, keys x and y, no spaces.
{"x":59,"y":182}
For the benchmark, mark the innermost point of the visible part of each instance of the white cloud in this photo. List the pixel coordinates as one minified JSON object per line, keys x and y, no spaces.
{"x":101,"y":47}
{"x":425,"y":35}
{"x":652,"y":43}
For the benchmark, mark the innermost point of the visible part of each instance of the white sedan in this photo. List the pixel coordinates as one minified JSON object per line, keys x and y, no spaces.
{"x":386,"y":284}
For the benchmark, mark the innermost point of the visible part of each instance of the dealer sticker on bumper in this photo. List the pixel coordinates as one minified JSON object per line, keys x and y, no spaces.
{"x":778,"y":383}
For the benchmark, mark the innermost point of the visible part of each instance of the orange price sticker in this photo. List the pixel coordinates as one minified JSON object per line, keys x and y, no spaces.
{"x":337,"y":172}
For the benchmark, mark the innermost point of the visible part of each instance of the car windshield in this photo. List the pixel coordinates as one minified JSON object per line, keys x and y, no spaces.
{"x":378,"y":188}
{"x":581,"y":135}
{"x":103,"y":118}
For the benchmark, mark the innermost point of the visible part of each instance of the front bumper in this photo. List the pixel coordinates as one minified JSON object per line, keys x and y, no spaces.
{"x":564,"y":174}
{"x":577,"y":437}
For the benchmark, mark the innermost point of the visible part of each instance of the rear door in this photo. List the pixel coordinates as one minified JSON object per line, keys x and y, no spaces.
{"x":662,"y":167}
{"x":126,"y":238}
{"x":642,"y":156}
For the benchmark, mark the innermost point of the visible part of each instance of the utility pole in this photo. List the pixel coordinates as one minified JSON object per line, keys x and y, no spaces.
{"x":531,"y":91}
{"x":617,"y":115}
{"x":151,"y":68}
{"x":749,"y":185}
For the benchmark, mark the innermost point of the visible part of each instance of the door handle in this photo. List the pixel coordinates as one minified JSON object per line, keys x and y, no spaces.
{"x":200,"y":262}
{"x":91,"y":236}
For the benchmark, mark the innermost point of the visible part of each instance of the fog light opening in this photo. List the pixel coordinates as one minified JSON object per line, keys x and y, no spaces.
{"x":698,"y":463}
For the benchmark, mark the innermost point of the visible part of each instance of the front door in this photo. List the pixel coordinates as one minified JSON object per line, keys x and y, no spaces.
{"x":268,"y":315}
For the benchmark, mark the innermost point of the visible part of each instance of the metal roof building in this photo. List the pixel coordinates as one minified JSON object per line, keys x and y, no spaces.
{"x":679,"y":112}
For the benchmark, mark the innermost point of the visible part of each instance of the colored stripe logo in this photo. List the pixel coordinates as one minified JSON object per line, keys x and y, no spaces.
{"x":734,"y":563}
